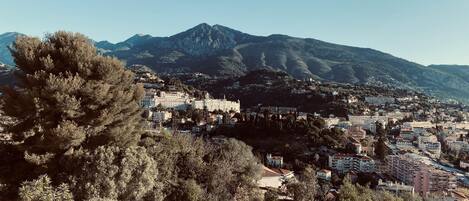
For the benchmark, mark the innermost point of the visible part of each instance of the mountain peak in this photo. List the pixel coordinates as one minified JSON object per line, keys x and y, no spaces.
{"x":206,"y":39}
{"x":137,"y":37}
{"x":203,"y":25}
{"x":10,"y":34}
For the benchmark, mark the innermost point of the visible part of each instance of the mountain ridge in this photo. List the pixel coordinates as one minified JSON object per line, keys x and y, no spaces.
{"x":223,"y":51}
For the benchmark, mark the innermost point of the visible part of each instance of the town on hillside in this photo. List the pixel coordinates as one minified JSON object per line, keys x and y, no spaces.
{"x":390,"y":139}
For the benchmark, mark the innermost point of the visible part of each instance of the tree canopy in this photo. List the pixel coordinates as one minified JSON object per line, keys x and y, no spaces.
{"x":69,"y":96}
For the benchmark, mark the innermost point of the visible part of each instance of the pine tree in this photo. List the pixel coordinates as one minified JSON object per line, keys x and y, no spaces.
{"x":381,"y":148}
{"x":70,"y":96}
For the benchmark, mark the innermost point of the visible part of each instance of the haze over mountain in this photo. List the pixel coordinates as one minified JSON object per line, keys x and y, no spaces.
{"x":222,"y":51}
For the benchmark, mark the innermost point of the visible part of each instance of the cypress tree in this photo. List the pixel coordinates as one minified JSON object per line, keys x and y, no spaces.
{"x":70,"y":96}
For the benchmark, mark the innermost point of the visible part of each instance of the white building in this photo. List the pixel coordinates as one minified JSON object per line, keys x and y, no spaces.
{"x":161,"y":116}
{"x":396,"y":188}
{"x":350,"y":162}
{"x":419,"y":124}
{"x":216,"y":104}
{"x":458,"y":146}
{"x":148,"y":100}
{"x":403,"y":144}
{"x":173,"y":100}
{"x":368,"y":122}
{"x":324,"y":174}
{"x":429,"y":143}
{"x":274,"y":161}
{"x":331,"y":122}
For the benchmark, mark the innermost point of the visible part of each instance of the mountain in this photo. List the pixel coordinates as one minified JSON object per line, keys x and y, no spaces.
{"x":219,"y":50}
{"x":461,"y":71}
{"x":222,"y":51}
{"x":6,"y":40}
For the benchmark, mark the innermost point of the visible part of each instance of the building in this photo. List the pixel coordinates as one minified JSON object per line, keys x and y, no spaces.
{"x":403,"y":144}
{"x":368,"y":122}
{"x":172,"y":100}
{"x":279,"y":110}
{"x":407,"y":132}
{"x":350,"y":162}
{"x":428,"y":142}
{"x":161,"y":116}
{"x":419,"y":124}
{"x":350,"y":99}
{"x":432,"y":148}
{"x":274,"y":161}
{"x":414,"y":170}
{"x":331,"y":122}
{"x":324,"y":174}
{"x":275,"y":177}
{"x":149,"y":99}
{"x":458,"y":146}
{"x":464,"y":164}
{"x":397,"y":115}
{"x":216,"y":104}
{"x":356,"y":132}
{"x":396,"y":188}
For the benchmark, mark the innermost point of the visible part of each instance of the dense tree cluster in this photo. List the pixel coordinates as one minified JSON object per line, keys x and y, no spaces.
{"x":288,"y":136}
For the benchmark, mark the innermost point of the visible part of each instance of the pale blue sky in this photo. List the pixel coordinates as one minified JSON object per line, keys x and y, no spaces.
{"x":424,"y":31}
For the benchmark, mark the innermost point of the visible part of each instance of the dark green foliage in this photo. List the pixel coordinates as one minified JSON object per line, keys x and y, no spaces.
{"x":306,"y":188}
{"x":42,"y":190}
{"x":193,"y":169}
{"x":351,"y":192}
{"x":270,"y":195}
{"x":70,"y":96}
{"x":76,"y":117}
{"x":381,"y":148}
{"x":287,"y":137}
{"x":113,"y":173}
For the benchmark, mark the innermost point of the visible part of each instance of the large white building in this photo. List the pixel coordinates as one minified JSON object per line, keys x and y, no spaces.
{"x":216,"y":104}
{"x":368,"y":122}
{"x":173,"y":100}
{"x":428,"y":142}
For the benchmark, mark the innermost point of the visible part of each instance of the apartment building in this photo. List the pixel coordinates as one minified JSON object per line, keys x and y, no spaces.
{"x":351,"y":162}
{"x":412,"y":170}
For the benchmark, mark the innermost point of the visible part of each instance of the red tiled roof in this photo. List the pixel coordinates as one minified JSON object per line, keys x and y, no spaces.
{"x":274,"y":172}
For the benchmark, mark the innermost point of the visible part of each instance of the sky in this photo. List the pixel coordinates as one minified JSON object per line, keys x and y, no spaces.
{"x":423,"y":31}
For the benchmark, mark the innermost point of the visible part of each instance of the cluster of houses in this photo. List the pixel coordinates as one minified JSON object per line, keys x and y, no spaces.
{"x":413,"y":153}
